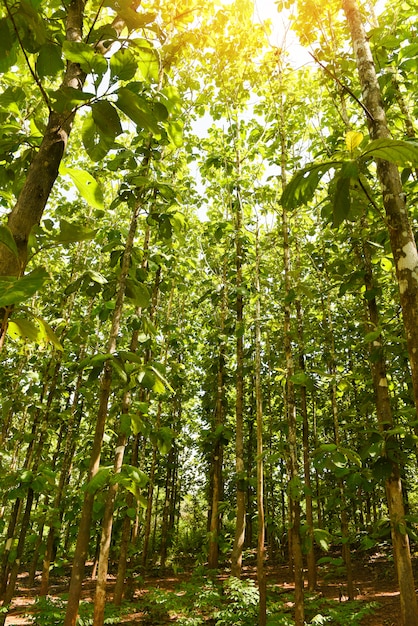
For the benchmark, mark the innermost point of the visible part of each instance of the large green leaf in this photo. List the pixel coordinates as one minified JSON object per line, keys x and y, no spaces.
{"x":97,"y":144}
{"x":304,"y":184}
{"x":138,"y":293}
{"x":16,"y":290}
{"x":71,"y":232}
{"x":147,"y":60}
{"x":402,"y":153}
{"x":83,"y":54}
{"x":67,"y":98}
{"x":38,"y":331}
{"x":322,"y":538}
{"x":123,"y":65}
{"x":107,"y":119}
{"x":49,"y":61}
{"x":88,"y":187}
{"x":137,"y":109}
{"x":175,"y":132}
{"x":100,"y":479}
{"x":7,"y":239}
{"x":7,"y":47}
{"x":341,"y":201}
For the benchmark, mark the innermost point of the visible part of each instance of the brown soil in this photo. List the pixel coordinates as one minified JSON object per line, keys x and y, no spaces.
{"x":374,"y":580}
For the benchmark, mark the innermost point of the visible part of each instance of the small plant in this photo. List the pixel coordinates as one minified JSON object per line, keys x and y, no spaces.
{"x":242,"y":604}
{"x":50,"y":611}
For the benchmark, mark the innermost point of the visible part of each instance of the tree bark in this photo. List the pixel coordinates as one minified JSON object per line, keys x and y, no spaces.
{"x":83,"y":537}
{"x":393,"y":484}
{"x":43,"y":170}
{"x":236,"y":557}
{"x":402,"y":240}
{"x":294,"y":494}
{"x":310,"y":556}
{"x":261,"y":575}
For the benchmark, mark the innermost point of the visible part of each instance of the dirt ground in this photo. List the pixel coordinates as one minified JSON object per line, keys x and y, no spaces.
{"x":374,"y":581}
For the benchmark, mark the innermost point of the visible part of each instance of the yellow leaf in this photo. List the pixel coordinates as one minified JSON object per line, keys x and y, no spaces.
{"x":353,"y":139}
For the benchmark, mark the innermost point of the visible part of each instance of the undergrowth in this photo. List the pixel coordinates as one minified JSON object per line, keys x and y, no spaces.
{"x":203,"y":601}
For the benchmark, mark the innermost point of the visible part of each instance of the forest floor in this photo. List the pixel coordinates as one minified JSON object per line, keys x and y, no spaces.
{"x":374,"y":582}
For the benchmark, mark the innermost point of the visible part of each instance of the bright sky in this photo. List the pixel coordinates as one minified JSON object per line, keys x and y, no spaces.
{"x":282,"y":36}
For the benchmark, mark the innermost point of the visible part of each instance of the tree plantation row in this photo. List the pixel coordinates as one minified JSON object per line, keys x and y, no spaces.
{"x":208,"y":294}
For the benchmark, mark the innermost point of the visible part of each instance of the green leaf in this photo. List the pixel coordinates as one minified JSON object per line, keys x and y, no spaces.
{"x":24,"y":329}
{"x":47,"y":334}
{"x":49,"y":61}
{"x":148,"y":62}
{"x":373,"y":335}
{"x":83,"y":54}
{"x":67,"y":98}
{"x":71,"y":232}
{"x":119,"y":369}
{"x":304,"y":184}
{"x":138,"y":293}
{"x":341,"y":201}
{"x":164,"y":439}
{"x":162,"y":379}
{"x":7,"y":48}
{"x":88,"y":187}
{"x":100,"y":479}
{"x":137,"y":109}
{"x":31,"y":26}
{"x":175,"y":133}
{"x":17,"y":290}
{"x":322,"y":538}
{"x":7,"y":239}
{"x":123,"y":65}
{"x":96,"y":143}
{"x":402,"y":153}
{"x":107,"y":119}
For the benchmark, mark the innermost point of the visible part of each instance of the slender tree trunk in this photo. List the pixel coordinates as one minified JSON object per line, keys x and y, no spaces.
{"x":346,"y":551}
{"x":76,"y":413}
{"x":236,"y":558}
{"x":261,"y":575}
{"x":107,"y":523}
{"x":393,"y":484}
{"x":217,"y":456}
{"x":8,"y":596}
{"x":165,"y":528}
{"x":294,"y":493}
{"x":402,"y":240}
{"x":150,"y":501}
{"x":83,"y":537}
{"x":310,"y":556}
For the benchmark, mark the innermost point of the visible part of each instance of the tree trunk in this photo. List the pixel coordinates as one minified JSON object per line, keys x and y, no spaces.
{"x":310,"y":556}
{"x":402,"y":240}
{"x":217,"y":456}
{"x":294,"y":489}
{"x":8,"y":596}
{"x":393,"y":485}
{"x":236,"y":557}
{"x":43,"y":170}
{"x":107,"y":523}
{"x":261,"y":575}
{"x":83,"y":537}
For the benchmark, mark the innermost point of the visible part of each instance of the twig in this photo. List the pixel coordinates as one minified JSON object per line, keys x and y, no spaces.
{"x":343,"y":86}
{"x":32,"y":71}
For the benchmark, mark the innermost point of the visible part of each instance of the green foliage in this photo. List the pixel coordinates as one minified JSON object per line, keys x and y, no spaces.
{"x":50,"y":611}
{"x":241,"y":603}
{"x":17,"y":290}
